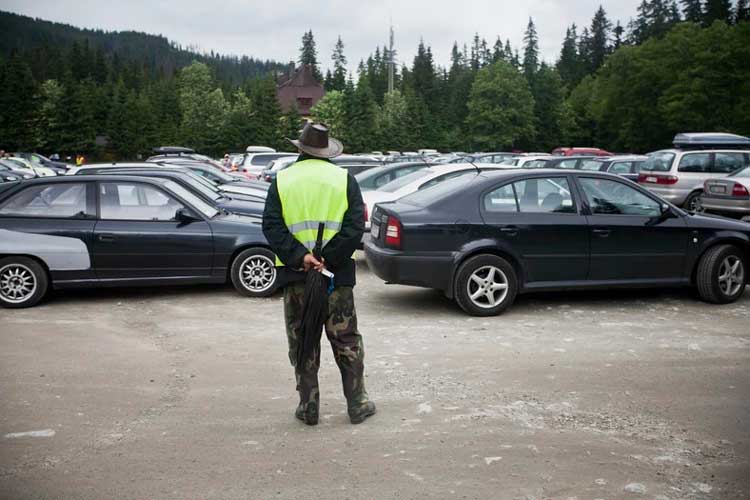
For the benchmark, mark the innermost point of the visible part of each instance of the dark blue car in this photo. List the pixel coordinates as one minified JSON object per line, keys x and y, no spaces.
{"x":117,"y":230}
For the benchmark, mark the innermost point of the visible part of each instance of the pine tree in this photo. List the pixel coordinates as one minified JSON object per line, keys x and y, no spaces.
{"x":618,"y":31}
{"x":46,"y":117}
{"x":308,"y":54}
{"x":692,"y":10}
{"x":599,"y":41}
{"x":292,"y":123}
{"x":742,"y":11}
{"x":338,"y":80}
{"x":569,"y":64}
{"x":530,"y":51}
{"x":267,"y":112}
{"x":423,"y":74}
{"x":548,"y":108}
{"x":17,"y":91}
{"x":718,"y":10}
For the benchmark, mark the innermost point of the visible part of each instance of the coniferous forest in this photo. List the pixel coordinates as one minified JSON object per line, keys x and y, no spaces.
{"x":673,"y":67}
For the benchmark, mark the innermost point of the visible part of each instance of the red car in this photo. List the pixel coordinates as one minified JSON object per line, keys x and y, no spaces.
{"x":580,"y":152}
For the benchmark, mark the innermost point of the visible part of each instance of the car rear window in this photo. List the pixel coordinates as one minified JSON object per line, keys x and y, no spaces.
{"x":660,"y":161}
{"x":440,"y":190}
{"x":592,"y":165}
{"x":397,"y":184}
{"x":744,"y":173}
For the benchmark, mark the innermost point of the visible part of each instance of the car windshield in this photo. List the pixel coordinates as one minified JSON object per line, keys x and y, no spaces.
{"x":440,"y":190}
{"x":397,"y":184}
{"x":659,"y":161}
{"x":196,"y":202}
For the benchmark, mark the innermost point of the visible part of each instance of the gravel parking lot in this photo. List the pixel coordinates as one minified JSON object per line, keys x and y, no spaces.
{"x":186,"y":393}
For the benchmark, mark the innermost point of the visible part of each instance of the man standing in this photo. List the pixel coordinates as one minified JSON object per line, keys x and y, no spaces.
{"x":312,"y":191}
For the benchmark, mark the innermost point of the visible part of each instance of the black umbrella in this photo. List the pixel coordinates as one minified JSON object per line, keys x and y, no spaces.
{"x":314,"y":307}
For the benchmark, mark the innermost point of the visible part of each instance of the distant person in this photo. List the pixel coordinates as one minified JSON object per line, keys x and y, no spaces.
{"x":80,"y":160}
{"x":55,"y":157}
{"x":312,"y":191}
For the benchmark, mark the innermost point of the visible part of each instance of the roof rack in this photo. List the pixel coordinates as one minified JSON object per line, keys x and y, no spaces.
{"x":172,"y":150}
{"x":707,"y":140}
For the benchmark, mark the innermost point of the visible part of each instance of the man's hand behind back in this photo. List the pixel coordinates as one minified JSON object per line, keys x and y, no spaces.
{"x":310,"y":262}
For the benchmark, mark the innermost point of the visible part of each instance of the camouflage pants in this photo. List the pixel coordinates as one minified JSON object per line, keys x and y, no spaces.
{"x":345,"y":339}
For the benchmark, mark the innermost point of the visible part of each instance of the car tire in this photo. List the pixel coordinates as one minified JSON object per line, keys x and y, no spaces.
{"x":253,"y":272}
{"x":693,"y":202}
{"x":721,"y":275}
{"x":23,"y":282}
{"x":485,"y":285}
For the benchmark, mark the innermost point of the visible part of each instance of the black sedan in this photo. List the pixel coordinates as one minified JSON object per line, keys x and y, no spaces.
{"x":484,"y":238}
{"x":112,"y":230}
{"x":237,"y":203}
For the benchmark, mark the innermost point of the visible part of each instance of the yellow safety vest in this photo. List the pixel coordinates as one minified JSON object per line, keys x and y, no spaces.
{"x":311,"y":192}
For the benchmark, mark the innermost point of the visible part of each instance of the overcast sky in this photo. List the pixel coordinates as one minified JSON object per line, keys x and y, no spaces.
{"x":272,"y":29}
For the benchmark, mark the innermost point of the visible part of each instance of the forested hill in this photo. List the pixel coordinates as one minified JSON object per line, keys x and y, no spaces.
{"x":43,"y":44}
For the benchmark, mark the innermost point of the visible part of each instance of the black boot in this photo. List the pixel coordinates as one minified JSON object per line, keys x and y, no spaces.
{"x":307,"y":413}
{"x":359,"y":414}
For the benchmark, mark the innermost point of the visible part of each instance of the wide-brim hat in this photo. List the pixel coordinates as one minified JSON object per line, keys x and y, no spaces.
{"x":314,"y":140}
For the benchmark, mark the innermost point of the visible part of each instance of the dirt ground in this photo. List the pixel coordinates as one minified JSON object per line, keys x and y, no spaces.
{"x":187,"y":393}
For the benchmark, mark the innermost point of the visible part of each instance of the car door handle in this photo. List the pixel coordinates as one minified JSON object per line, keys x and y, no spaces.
{"x":603,"y":233}
{"x":107,"y":238}
{"x":509,"y":230}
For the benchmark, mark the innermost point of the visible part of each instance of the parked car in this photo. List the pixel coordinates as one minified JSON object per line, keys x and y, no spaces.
{"x":59,"y":167}
{"x":9,"y":175}
{"x":624,"y":166}
{"x":417,"y":181}
{"x":484,"y":238}
{"x":111,"y":230}
{"x":354,"y":164}
{"x":211,"y":194}
{"x":678,"y":174}
{"x":178,"y":153}
{"x":254,"y":163}
{"x":530,"y":161}
{"x":17,"y":169}
{"x":223,"y":180}
{"x":728,"y":195}
{"x":580,"y":152}
{"x":32,"y":168}
{"x":485,"y":158}
{"x":377,"y":177}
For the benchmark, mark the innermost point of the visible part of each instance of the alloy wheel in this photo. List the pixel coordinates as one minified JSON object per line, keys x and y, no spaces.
{"x":17,"y":283}
{"x":731,"y":275}
{"x":487,"y":287}
{"x":258,"y":273}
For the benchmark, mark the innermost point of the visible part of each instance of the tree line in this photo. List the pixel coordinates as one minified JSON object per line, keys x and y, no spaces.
{"x":672,"y":68}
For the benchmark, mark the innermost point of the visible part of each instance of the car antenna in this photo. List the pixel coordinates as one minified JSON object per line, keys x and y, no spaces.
{"x":475,"y":166}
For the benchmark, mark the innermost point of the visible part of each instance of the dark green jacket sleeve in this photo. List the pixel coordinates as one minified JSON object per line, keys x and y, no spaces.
{"x":338,"y":252}
{"x":283,"y":244}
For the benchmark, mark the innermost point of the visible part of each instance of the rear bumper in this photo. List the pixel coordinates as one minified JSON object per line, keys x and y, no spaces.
{"x":726,"y":205}
{"x":431,"y":270}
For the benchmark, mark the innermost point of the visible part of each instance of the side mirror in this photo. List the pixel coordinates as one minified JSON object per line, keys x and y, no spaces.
{"x":185,"y":216}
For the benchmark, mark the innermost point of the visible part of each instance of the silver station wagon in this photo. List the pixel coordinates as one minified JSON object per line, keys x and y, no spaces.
{"x":678,"y":175}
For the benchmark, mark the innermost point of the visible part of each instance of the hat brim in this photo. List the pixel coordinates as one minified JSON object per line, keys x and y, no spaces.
{"x":334,"y":149}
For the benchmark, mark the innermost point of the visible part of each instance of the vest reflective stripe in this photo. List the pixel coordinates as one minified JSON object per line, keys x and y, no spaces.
{"x":311,"y":192}
{"x":311,"y":224}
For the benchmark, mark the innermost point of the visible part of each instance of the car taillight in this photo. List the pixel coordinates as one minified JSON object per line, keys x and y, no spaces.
{"x":739,"y":190}
{"x":393,"y":231}
{"x":666,"y":180}
{"x":367,"y":213}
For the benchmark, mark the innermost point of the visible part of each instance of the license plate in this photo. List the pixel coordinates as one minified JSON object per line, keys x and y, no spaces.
{"x":375,"y":230}
{"x":718,"y":189}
